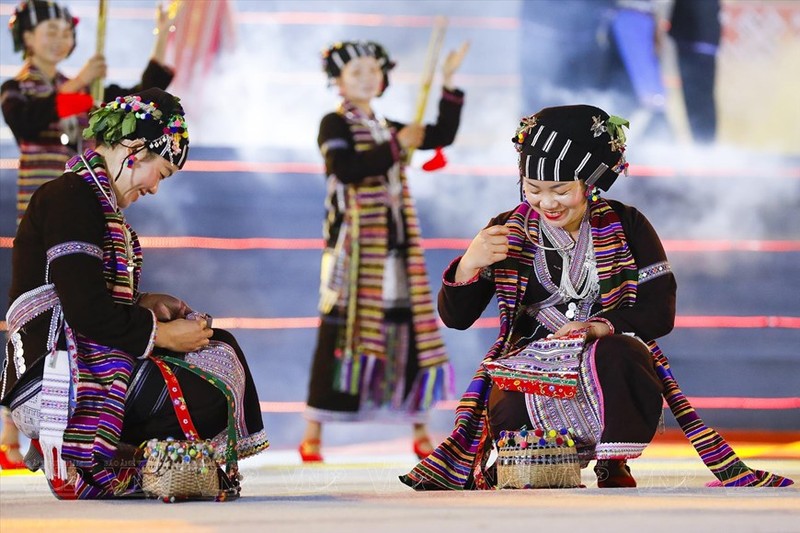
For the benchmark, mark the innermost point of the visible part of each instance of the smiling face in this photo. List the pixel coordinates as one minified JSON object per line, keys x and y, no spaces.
{"x":50,"y":41}
{"x":361,"y":80}
{"x":560,"y":204}
{"x":142,"y":178}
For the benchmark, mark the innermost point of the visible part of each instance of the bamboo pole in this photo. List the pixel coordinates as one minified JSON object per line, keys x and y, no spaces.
{"x":432,"y":58}
{"x":97,"y":90}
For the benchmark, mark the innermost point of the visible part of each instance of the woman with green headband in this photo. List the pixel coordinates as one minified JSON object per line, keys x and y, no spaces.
{"x":44,"y":108}
{"x":89,"y":353}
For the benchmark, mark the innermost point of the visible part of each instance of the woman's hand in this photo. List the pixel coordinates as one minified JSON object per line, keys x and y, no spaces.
{"x":165,"y":307}
{"x":596,"y":330}
{"x":183,"y":335}
{"x":487,"y":248}
{"x":452,"y":63}
{"x":165,"y":18}
{"x":92,"y":69}
{"x":411,"y":136}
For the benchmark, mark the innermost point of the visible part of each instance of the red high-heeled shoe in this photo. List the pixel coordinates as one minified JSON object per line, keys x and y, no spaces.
{"x":5,"y":462}
{"x":309,"y":451}
{"x":423,"y":447}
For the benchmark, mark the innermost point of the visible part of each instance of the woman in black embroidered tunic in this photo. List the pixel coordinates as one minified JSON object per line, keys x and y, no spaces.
{"x":613,"y":402}
{"x":381,"y":349}
{"x":589,"y":274}
{"x":40,"y":105}
{"x":84,"y":370}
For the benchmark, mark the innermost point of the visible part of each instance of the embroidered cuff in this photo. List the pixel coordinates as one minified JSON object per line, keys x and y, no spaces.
{"x":450,"y":275}
{"x":152,"y":342}
{"x":605,"y":321}
{"x":653,"y":271}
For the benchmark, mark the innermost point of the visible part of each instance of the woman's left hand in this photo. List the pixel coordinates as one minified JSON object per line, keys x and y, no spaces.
{"x":164,"y":306}
{"x":596,"y":330}
{"x":165,"y":17}
{"x":165,"y":20}
{"x":452,"y":63}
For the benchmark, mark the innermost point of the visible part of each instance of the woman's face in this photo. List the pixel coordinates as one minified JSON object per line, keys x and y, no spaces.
{"x":142,"y":178}
{"x":560,"y":204}
{"x":50,"y":41}
{"x":361,"y":79}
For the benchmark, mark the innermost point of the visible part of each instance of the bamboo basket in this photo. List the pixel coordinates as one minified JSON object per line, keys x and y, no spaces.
{"x":172,"y":473}
{"x":538,"y":468}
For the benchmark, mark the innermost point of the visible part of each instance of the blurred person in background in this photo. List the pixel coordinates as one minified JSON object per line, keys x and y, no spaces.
{"x":379,"y":352}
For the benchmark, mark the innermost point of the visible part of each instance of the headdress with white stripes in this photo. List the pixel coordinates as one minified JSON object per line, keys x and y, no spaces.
{"x":28,"y":14}
{"x":339,"y":54}
{"x":571,"y":143}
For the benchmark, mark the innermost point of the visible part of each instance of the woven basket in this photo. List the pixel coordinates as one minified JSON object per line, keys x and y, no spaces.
{"x":169,"y":479}
{"x":538,"y":467}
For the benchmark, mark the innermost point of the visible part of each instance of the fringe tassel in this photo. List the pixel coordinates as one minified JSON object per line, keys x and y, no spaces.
{"x":54,"y":412}
{"x":347,"y":373}
{"x":430,"y":386}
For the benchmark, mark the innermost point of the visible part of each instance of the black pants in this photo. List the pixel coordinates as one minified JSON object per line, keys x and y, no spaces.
{"x":148,"y":409}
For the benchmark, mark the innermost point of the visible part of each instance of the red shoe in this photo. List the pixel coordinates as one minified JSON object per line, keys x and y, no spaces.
{"x":309,"y":451}
{"x":63,"y":489}
{"x":613,"y":474}
{"x":5,"y":462}
{"x":423,"y":447}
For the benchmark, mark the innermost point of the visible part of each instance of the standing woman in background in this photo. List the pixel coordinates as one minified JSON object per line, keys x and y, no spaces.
{"x":379,"y":347}
{"x":40,"y":104}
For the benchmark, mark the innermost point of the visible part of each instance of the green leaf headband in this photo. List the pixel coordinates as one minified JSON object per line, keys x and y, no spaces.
{"x":130,"y":116}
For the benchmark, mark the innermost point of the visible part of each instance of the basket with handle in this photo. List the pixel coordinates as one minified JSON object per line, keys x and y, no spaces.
{"x":189,"y":469}
{"x":180,"y":469}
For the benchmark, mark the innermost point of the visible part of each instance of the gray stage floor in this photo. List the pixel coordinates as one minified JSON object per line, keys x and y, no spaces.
{"x":364,"y":495}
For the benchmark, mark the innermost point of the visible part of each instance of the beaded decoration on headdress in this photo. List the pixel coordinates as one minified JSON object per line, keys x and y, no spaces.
{"x":614,"y":126}
{"x":526,"y":125}
{"x":117,"y":120}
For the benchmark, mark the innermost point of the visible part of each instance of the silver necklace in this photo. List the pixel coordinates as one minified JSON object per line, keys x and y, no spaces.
{"x":588,"y":278}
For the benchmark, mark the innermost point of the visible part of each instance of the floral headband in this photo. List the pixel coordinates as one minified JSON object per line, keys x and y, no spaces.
{"x":131,"y":117}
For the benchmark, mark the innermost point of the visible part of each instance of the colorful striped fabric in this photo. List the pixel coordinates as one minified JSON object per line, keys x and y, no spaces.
{"x":43,"y":159}
{"x":121,"y":247}
{"x":459,"y":462}
{"x":712,"y":448}
{"x":363,"y":351}
{"x":93,"y":431}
